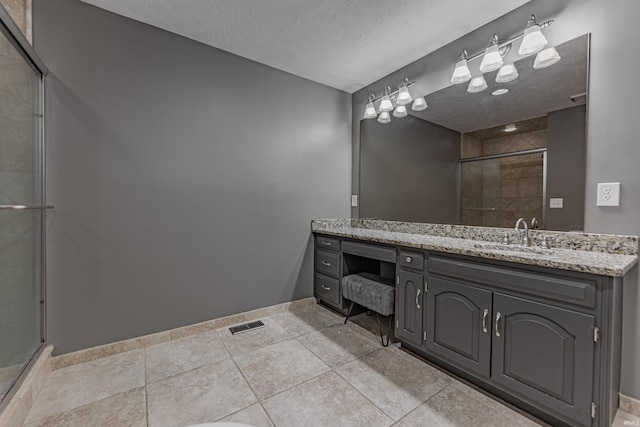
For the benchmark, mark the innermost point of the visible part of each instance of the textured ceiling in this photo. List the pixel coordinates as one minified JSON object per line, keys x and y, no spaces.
{"x":345,"y":44}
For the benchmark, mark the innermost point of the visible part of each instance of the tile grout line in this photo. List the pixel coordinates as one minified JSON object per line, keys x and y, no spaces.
{"x":146,"y":399}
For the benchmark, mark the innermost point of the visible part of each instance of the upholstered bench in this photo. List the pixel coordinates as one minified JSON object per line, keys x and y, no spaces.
{"x":372,"y":292}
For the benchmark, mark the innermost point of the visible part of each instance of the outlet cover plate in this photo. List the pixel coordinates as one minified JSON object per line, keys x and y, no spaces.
{"x":608,"y":194}
{"x":556,"y":203}
{"x":354,"y":200}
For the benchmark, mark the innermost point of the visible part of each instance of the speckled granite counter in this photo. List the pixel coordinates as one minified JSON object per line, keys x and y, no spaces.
{"x":603,"y":254}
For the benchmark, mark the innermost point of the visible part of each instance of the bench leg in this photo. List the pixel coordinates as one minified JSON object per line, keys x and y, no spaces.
{"x":388,"y":330}
{"x":350,"y":311}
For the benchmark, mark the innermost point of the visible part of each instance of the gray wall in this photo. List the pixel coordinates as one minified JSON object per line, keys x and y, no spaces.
{"x":566,"y":152}
{"x":184,"y":177}
{"x":399,"y":164}
{"x":612,"y":123}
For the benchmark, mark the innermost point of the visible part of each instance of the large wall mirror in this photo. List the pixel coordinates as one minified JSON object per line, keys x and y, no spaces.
{"x":483,"y":159}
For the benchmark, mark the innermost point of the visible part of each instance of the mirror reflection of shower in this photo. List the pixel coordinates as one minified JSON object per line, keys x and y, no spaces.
{"x":503,"y":174}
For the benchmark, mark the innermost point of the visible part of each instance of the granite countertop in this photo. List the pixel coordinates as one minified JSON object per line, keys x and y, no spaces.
{"x":607,"y":255}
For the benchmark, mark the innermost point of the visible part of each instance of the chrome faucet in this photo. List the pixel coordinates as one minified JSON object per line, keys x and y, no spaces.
{"x":525,"y":237}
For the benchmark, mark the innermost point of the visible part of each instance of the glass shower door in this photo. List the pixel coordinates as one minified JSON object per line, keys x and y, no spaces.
{"x":21,"y":213}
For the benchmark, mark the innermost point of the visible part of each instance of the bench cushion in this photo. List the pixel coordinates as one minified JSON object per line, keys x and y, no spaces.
{"x":372,"y":294}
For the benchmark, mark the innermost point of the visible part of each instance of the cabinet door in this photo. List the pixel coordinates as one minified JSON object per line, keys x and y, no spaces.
{"x":544,"y":353}
{"x":409,"y":307}
{"x":458,"y":324}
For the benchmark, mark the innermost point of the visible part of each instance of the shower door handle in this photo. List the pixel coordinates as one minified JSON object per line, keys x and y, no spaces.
{"x":25,"y":207}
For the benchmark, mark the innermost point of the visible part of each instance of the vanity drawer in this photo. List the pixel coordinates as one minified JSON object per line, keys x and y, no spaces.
{"x":367,"y":250}
{"x":329,"y":243}
{"x":327,"y":289}
{"x":567,"y":289}
{"x":328,"y":263}
{"x":414,"y":260}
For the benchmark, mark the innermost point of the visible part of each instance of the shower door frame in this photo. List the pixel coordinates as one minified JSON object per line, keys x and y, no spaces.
{"x":14,"y":35}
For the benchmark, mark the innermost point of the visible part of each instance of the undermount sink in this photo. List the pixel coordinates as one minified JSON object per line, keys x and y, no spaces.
{"x":490,"y":246}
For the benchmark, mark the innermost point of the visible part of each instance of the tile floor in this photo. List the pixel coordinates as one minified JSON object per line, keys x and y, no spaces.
{"x":305,"y":368}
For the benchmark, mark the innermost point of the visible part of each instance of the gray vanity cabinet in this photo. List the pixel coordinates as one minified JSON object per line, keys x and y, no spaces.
{"x":544,"y":353}
{"x":409,"y":297}
{"x":458,"y":324}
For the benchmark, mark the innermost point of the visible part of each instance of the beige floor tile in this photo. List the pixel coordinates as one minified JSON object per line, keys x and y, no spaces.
{"x":453,"y":407}
{"x":254,"y":416}
{"x":273,"y":369}
{"x":327,"y":400}
{"x":78,"y":385}
{"x":126,"y":409}
{"x":625,"y":419}
{"x":496,"y":406}
{"x":306,"y":320}
{"x":246,"y":342}
{"x":182,"y":355}
{"x":198,"y":396}
{"x":396,"y":382}
{"x":338,"y":344}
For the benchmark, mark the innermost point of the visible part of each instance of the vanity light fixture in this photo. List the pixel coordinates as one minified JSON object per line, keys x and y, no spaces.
{"x":546,"y":58}
{"x":384,"y":117}
{"x":400,"y":111}
{"x":419,"y":104}
{"x":385,"y":103}
{"x":500,"y":91}
{"x":461,"y":73}
{"x":401,"y":97}
{"x":507,"y":73}
{"x":477,"y":85}
{"x":532,"y":40}
{"x":492,"y":60}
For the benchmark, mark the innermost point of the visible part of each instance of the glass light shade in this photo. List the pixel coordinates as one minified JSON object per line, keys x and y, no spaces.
{"x":419,"y":104}
{"x":384,"y":117}
{"x":461,"y":73}
{"x":370,"y":111}
{"x":385,"y":104}
{"x":546,"y":58}
{"x":477,"y":84}
{"x":404,"y":97}
{"x":491,"y":60}
{"x":533,"y":41}
{"x":507,"y":73}
{"x":400,"y":111}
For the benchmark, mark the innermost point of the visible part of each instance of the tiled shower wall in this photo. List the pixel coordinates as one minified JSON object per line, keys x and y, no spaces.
{"x":17,"y":240}
{"x":511,"y":185}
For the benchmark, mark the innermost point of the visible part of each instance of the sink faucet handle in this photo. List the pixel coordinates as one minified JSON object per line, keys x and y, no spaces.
{"x":505,"y":238}
{"x":545,"y":243}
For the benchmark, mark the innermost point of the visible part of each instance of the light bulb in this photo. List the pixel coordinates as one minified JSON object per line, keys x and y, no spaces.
{"x":384,"y":117}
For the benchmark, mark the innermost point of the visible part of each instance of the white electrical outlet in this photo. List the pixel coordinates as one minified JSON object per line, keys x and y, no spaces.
{"x":354,"y":200}
{"x":556,"y":203}
{"x":609,"y":194}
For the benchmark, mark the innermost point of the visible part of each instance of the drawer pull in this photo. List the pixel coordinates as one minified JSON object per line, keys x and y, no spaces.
{"x":408,"y":259}
{"x":326,"y":264}
{"x":417,"y":299}
{"x":326,"y":288}
{"x":497,"y":322}
{"x":484,"y":320}
{"x":326,"y":243}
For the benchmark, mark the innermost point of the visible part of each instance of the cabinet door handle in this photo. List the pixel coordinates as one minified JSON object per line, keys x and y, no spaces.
{"x":328,"y":264}
{"x":498,"y":316}
{"x":326,"y":288}
{"x":417,"y":299}
{"x":326,"y":243}
{"x":408,"y":259}
{"x":484,"y":320}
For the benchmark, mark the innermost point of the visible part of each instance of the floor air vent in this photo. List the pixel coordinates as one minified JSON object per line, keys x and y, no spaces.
{"x":246,"y":327}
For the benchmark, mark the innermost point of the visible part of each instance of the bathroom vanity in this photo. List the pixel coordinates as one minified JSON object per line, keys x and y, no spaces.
{"x":540,"y":328}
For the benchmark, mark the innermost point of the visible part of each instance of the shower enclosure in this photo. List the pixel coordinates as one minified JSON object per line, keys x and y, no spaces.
{"x":22,"y":207}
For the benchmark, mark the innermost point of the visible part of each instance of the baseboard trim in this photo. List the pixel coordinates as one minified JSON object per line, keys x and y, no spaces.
{"x":93,"y":353}
{"x":630,"y":405}
{"x":21,"y":399}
